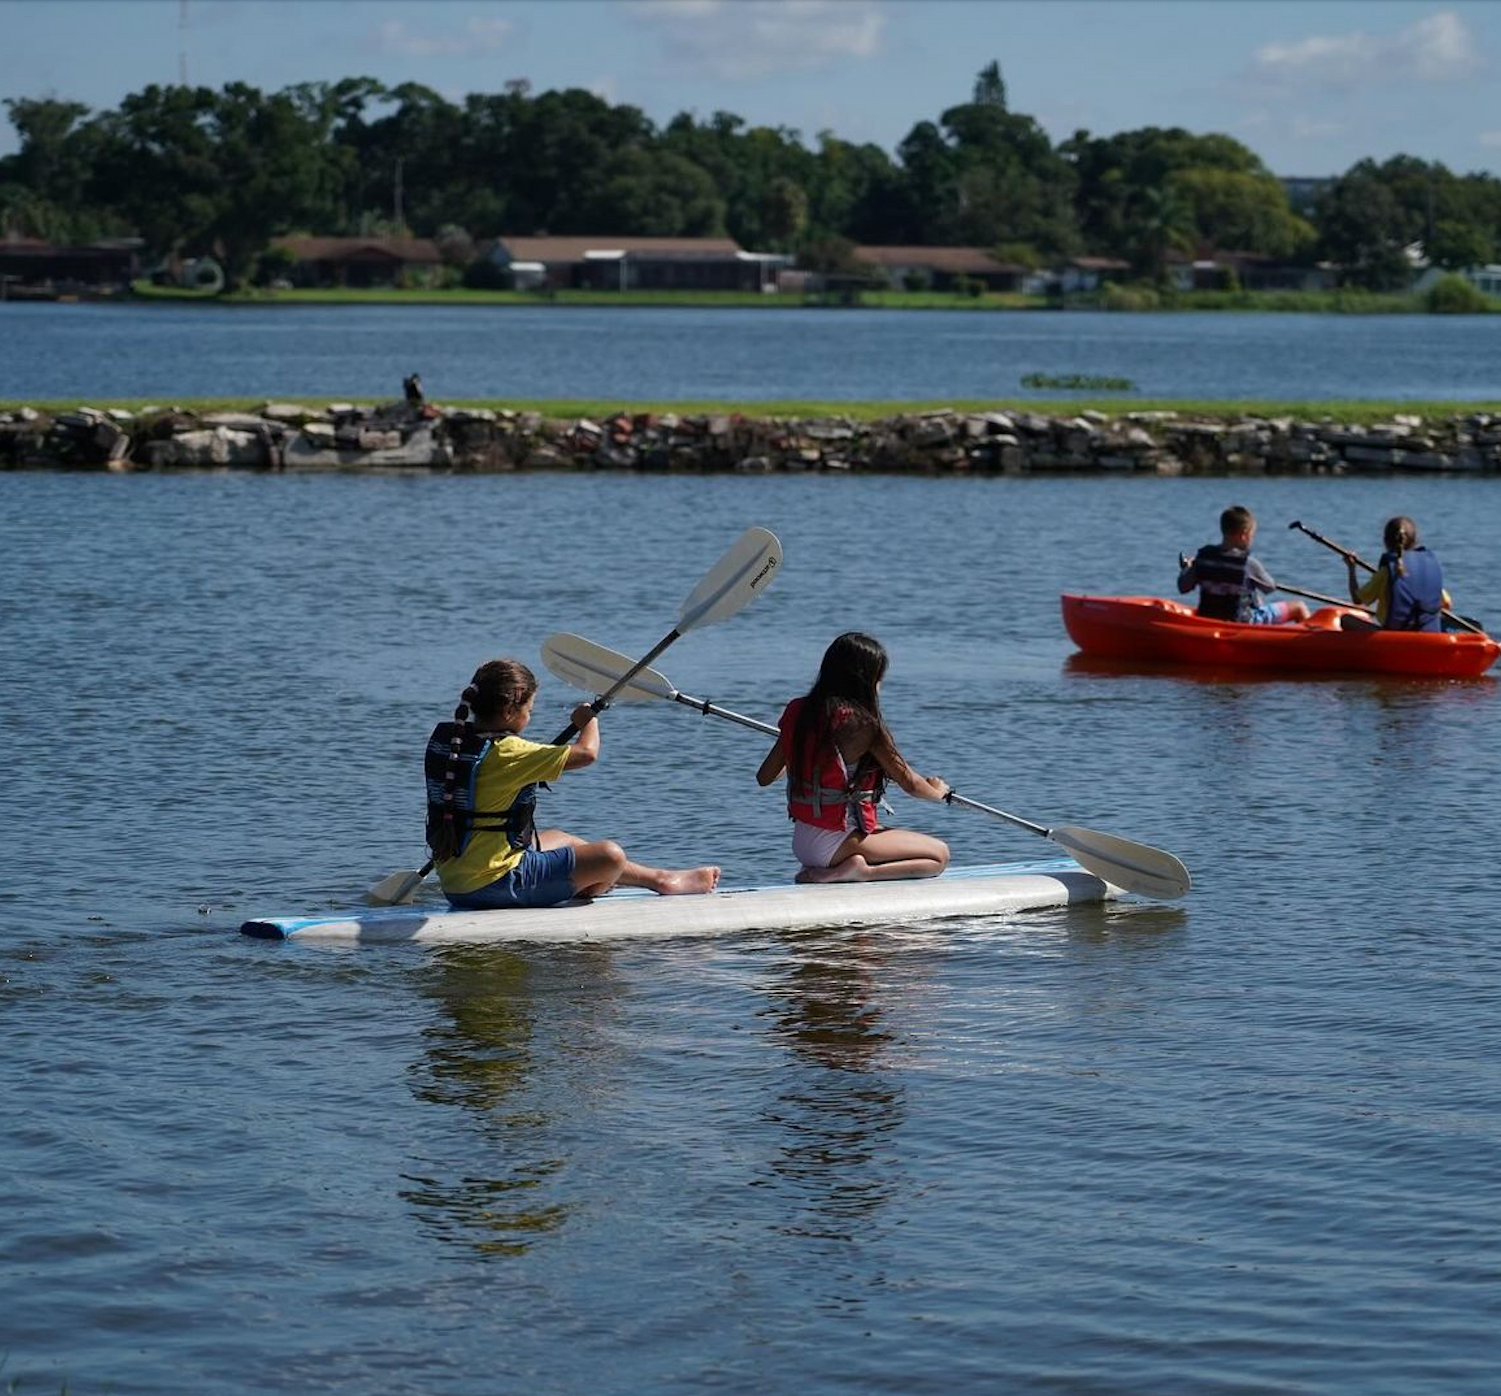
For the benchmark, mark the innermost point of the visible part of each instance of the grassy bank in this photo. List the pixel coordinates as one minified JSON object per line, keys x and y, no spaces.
{"x":1353,"y":412}
{"x":905,"y":300}
{"x":1124,"y":300}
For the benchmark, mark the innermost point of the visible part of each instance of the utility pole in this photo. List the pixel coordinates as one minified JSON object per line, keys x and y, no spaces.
{"x":397,"y":194}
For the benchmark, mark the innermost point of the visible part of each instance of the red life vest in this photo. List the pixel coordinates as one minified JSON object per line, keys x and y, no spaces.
{"x":824,"y":799}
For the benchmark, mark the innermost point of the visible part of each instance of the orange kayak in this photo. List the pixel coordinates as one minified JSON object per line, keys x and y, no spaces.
{"x":1150,"y":630}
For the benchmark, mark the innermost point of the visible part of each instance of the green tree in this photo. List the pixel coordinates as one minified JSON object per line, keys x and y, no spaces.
{"x":651,"y":194}
{"x":1242,"y":210}
{"x":985,"y":175}
{"x":1455,"y":246}
{"x":1364,"y":229}
{"x":784,"y":211}
{"x":1160,"y":223}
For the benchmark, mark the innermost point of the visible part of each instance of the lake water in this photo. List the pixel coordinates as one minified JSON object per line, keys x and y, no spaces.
{"x":689,"y":354}
{"x":1244,"y":1143}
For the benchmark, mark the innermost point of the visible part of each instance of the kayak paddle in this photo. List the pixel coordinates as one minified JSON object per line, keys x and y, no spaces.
{"x":1135,"y":867}
{"x":742,"y":574}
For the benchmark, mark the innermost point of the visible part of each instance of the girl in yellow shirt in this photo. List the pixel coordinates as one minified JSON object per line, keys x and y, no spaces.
{"x":482,"y":779}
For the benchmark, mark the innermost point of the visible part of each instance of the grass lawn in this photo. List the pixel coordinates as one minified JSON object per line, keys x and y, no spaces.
{"x":1346,"y":302}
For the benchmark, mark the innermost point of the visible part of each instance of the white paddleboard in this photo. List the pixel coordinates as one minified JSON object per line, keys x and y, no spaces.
{"x":630,"y":914}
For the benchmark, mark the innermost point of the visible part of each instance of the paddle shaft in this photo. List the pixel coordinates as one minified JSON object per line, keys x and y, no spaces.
{"x":1361,"y":562}
{"x":953,"y":798}
{"x":1319,"y":596}
{"x":603,"y":701}
{"x":1331,"y":545}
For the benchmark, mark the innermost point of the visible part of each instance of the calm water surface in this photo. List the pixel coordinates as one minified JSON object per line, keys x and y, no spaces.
{"x":1246,"y":1143}
{"x":687,"y":354}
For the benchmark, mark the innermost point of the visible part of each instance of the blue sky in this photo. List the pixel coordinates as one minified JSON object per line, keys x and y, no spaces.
{"x":1310,"y":85}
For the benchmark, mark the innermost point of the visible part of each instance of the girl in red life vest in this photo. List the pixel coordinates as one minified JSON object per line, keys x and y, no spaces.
{"x":838,"y":756}
{"x":482,"y":779}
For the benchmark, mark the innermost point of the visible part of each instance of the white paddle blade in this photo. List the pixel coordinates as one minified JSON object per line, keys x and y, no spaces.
{"x":581,"y":663}
{"x":740,"y":576}
{"x":1133,"y":867}
{"x":399,"y":887}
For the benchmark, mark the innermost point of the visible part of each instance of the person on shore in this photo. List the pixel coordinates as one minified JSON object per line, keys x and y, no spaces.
{"x":838,"y":755}
{"x":1232,"y":584}
{"x":482,"y":780}
{"x":1407,"y":587}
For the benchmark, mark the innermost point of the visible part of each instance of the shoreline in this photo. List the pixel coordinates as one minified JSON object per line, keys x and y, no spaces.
{"x":1005,"y":439}
{"x":1339,"y":302}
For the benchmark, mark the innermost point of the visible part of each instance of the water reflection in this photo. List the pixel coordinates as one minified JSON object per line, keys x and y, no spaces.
{"x":482,"y":1059}
{"x":839,"y":1108}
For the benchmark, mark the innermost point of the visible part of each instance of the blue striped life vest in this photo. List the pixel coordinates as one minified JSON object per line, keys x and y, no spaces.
{"x":451,"y":767}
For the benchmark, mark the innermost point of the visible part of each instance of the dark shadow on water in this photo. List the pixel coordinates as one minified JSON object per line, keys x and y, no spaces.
{"x":482,"y":1060}
{"x":1095,"y":666}
{"x":1134,"y":927}
{"x":838,"y":1107}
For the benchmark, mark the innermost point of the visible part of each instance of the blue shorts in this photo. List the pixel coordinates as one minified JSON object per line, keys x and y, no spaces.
{"x":539,"y":879}
{"x":1273,"y":613}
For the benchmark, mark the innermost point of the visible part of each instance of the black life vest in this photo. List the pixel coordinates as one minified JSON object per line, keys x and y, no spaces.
{"x":1221,"y":572}
{"x":451,"y":766}
{"x":1415,"y":598}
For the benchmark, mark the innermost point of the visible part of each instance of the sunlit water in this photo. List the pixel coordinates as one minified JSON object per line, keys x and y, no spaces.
{"x":685,"y":354}
{"x":1246,"y":1143}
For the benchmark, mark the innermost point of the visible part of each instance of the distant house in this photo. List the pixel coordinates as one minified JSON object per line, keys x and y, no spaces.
{"x":360,"y":262}
{"x":941,"y":267}
{"x":1485,"y":278}
{"x":1077,"y":274}
{"x":29,"y":264}
{"x":609,"y":263}
{"x":1254,"y":271}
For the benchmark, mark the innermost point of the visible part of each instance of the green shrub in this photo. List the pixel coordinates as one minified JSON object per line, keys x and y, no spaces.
{"x":1453,"y":295}
{"x":1116,"y":297}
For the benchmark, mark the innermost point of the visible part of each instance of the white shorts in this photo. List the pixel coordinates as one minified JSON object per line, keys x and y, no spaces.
{"x":814,"y":847}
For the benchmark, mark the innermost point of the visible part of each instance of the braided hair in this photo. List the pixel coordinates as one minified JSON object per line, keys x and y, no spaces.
{"x":498,"y":686}
{"x":1399,"y":535}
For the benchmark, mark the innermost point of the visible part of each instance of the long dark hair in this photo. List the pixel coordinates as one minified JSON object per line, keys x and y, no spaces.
{"x":1399,"y":535}
{"x":852,"y":667}
{"x":497,"y":685}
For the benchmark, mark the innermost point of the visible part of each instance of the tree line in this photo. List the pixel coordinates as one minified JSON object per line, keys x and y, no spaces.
{"x":192,"y":170}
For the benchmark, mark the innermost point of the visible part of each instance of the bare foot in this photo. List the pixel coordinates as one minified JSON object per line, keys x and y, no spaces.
{"x":853,"y":869}
{"x":686,"y":880}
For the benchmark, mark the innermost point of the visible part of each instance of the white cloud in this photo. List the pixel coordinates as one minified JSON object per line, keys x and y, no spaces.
{"x":742,"y":40}
{"x":1437,"y":48}
{"x":1490,"y":138}
{"x":478,"y":34}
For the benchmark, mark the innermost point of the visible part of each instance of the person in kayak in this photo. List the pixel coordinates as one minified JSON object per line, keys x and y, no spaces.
{"x":482,"y":778}
{"x":1407,"y":587}
{"x":1232,"y":584}
{"x":838,"y":754}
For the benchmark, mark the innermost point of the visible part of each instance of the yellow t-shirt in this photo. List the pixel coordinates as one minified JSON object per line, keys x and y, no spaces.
{"x":509,"y":764}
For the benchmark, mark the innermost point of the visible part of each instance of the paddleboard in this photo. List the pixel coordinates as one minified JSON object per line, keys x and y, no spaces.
{"x":633,"y":914}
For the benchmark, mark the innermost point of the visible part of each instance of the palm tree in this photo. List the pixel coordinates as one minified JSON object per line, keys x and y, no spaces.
{"x":1159,"y":221}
